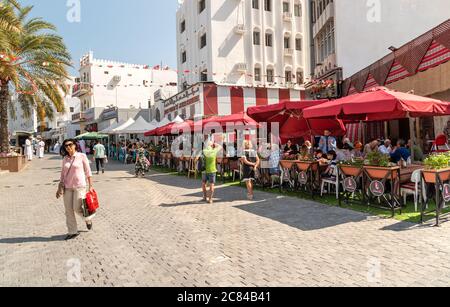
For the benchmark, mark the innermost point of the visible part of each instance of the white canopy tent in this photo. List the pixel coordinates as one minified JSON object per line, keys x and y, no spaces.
{"x":162,"y":123}
{"x":140,"y":126}
{"x":113,"y":126}
{"x":125,"y":125}
{"x":178,"y":120}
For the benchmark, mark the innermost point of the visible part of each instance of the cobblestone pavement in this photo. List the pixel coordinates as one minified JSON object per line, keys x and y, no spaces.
{"x":157,"y":232}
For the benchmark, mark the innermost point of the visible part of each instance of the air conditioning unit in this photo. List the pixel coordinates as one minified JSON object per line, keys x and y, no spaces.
{"x":117,"y":78}
{"x":239,"y":29}
{"x":241,"y":67}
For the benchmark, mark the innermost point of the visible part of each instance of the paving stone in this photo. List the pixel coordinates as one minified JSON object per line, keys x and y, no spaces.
{"x":157,"y":232}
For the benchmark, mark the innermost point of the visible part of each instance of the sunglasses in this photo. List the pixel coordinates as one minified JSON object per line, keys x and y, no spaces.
{"x":69,"y":145}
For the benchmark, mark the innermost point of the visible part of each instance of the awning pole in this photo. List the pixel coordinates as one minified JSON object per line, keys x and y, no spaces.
{"x":413,"y":136}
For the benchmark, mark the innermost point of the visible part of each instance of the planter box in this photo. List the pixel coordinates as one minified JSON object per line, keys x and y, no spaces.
{"x":13,"y":164}
{"x":287,"y":164}
{"x":379,"y":173}
{"x":430,"y":175}
{"x":304,"y":166}
{"x":350,"y":170}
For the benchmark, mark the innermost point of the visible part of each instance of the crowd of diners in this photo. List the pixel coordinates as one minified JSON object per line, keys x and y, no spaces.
{"x":325,"y":149}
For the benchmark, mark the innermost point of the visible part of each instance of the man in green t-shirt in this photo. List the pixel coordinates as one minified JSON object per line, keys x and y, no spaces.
{"x":99,"y":156}
{"x":209,"y":165}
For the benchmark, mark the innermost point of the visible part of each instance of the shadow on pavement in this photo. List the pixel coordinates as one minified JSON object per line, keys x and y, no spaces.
{"x":304,"y":215}
{"x":32,"y":240}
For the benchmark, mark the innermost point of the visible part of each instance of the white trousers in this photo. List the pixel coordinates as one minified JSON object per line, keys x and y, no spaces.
{"x":72,"y":202}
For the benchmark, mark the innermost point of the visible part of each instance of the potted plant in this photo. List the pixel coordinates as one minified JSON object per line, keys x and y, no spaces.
{"x":351,"y":168}
{"x":288,"y":161}
{"x":437,"y":166}
{"x":305,"y":163}
{"x":378,"y":166}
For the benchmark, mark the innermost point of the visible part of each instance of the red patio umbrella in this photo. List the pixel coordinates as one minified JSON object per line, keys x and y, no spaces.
{"x":238,"y":119}
{"x":379,"y":104}
{"x":293,"y":125}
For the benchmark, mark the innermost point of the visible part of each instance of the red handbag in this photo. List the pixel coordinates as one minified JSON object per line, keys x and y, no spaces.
{"x":92,"y":202}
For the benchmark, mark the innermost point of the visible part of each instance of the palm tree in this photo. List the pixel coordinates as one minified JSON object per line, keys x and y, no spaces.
{"x":33,"y":64}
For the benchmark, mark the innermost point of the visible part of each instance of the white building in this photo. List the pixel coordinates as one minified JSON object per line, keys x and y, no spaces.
{"x":245,"y":43}
{"x":105,"y":84}
{"x":59,"y":127}
{"x":350,"y":34}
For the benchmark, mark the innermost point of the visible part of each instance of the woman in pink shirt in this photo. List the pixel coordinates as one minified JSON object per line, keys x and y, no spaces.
{"x":75,"y":175}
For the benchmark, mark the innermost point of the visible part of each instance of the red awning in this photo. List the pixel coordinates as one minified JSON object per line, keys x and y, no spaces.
{"x":379,"y":104}
{"x":292,"y":123}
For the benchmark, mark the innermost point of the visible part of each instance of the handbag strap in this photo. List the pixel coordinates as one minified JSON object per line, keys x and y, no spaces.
{"x":68,"y":171}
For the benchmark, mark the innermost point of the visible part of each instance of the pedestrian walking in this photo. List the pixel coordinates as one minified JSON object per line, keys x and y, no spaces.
{"x":209,"y":166}
{"x":250,"y":161}
{"x":75,"y":174}
{"x":99,"y":156}
{"x":142,"y":163}
{"x":29,"y":148}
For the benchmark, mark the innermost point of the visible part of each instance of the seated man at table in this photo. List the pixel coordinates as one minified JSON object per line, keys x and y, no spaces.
{"x":400,"y":152}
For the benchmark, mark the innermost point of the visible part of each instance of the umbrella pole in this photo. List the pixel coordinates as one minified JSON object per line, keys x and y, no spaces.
{"x":413,"y":137}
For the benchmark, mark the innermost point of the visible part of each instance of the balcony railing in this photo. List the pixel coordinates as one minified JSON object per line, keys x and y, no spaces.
{"x":288,"y":52}
{"x":81,"y":89}
{"x":78,"y":117}
{"x":287,"y":16}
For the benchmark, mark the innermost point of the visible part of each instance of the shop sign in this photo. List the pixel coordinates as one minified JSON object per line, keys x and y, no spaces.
{"x":110,"y":114}
{"x":446,"y":192}
{"x":350,"y":184}
{"x":377,"y":188}
{"x":303,"y":178}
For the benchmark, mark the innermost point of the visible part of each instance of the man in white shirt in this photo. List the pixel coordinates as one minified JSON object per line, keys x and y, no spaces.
{"x":386,"y":148}
{"x":29,"y":149}
{"x":41,"y":149}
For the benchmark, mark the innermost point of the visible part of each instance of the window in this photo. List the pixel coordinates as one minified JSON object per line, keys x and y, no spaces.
{"x":258,"y":74}
{"x":298,"y":10}
{"x":183,"y":26}
{"x":299,"y":77}
{"x":72,"y":109}
{"x":270,"y":75}
{"x":288,"y":76}
{"x":106,"y":72}
{"x":269,"y":40}
{"x":255,"y":4}
{"x":204,"y":76}
{"x":183,"y":57}
{"x":285,"y":7}
{"x":201,"y":6}
{"x":203,"y":41}
{"x":287,"y":43}
{"x":298,"y":44}
{"x":268,"y":5}
{"x":256,"y":38}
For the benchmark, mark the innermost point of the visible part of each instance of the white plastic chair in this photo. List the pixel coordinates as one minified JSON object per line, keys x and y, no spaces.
{"x":414,"y":189}
{"x":333,"y":181}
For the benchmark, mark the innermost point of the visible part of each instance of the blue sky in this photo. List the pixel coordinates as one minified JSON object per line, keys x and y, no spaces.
{"x":134,"y":31}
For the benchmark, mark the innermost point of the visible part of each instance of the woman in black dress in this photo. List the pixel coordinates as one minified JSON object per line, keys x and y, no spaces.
{"x":250,"y":161}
